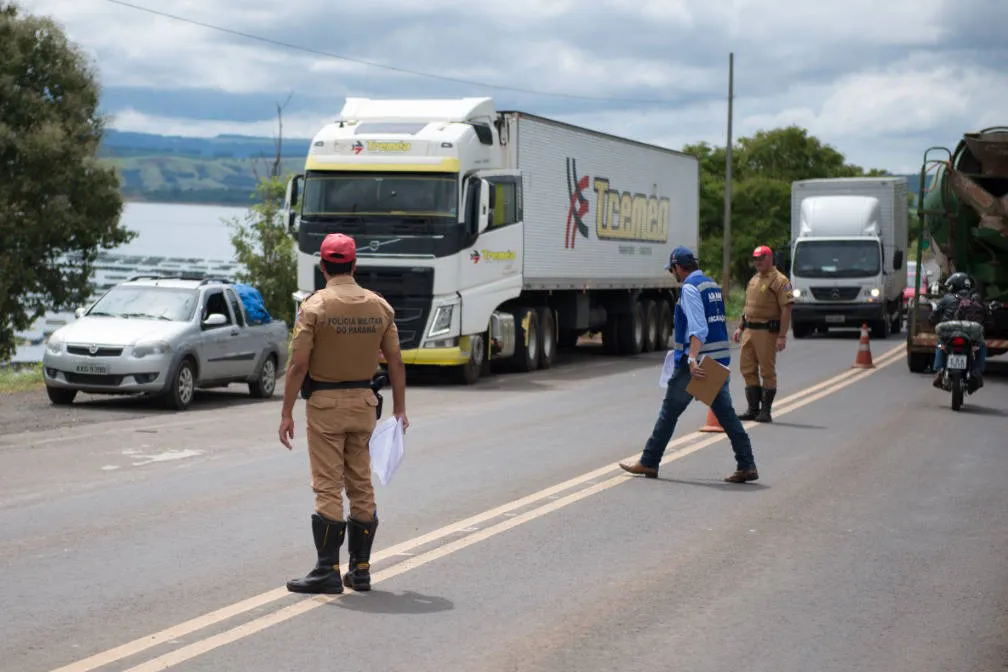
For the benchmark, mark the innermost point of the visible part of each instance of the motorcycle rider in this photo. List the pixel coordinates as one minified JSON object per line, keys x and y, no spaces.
{"x":959,"y":286}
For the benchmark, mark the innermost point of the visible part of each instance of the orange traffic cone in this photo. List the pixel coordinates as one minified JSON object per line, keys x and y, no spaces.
{"x":712,"y":424}
{"x":863,"y":360}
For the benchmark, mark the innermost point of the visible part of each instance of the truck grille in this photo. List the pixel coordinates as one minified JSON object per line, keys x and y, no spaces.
{"x":408,"y":290}
{"x":835,"y":293}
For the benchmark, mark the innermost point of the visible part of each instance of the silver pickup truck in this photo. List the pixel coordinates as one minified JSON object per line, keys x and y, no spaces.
{"x":164,"y":337}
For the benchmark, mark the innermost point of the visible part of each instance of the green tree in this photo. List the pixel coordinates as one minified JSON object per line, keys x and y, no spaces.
{"x":265,"y":250}
{"x":58,"y":205}
{"x":763,"y":167}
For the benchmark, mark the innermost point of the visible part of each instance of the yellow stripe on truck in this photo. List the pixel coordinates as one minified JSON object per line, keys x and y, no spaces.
{"x":433,"y":165}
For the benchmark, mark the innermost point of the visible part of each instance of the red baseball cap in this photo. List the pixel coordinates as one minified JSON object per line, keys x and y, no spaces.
{"x":338,"y":248}
{"x":762,"y":251}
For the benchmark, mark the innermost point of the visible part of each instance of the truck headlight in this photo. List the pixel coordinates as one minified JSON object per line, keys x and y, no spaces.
{"x":875,"y":292}
{"x":151,"y":348}
{"x":796,"y":293}
{"x":441,"y":325}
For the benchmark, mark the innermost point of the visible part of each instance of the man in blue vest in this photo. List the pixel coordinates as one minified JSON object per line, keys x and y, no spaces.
{"x":699,"y":329}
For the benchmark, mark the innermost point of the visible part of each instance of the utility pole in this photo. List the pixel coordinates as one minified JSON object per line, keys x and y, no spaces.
{"x":726,"y":253}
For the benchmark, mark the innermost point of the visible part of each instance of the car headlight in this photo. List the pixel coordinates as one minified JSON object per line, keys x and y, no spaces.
{"x":54,"y":345}
{"x":442,"y":322}
{"x":151,"y":348}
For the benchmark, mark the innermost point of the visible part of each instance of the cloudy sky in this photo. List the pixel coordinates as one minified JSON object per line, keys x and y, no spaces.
{"x":880,"y":80}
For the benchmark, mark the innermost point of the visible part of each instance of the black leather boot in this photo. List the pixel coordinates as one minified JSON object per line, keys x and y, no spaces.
{"x":764,"y":414}
{"x":359,"y":548}
{"x":325,"y":578}
{"x":752,"y":395}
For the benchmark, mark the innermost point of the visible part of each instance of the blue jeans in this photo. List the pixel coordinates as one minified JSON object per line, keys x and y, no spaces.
{"x":675,"y":402}
{"x":979,"y":361}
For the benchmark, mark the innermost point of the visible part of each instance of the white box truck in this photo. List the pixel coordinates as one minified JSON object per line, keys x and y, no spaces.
{"x":497,"y":235}
{"x":848,"y":250}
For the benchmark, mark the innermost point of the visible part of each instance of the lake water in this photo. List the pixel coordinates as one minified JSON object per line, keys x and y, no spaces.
{"x":170,"y":238}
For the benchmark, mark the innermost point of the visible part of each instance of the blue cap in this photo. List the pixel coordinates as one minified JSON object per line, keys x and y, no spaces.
{"x":680,"y":255}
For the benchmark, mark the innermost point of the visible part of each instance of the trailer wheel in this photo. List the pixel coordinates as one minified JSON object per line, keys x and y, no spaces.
{"x":664,"y":324}
{"x":548,"y":338}
{"x":526,"y":356}
{"x":631,"y":330}
{"x":650,"y":325}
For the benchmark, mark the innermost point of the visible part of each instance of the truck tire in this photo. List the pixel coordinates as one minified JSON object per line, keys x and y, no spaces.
{"x":880,"y":329}
{"x":548,"y":338}
{"x":264,"y":386}
{"x":650,"y":325}
{"x":182,"y":388}
{"x":526,"y":356}
{"x":611,"y":335}
{"x":60,"y":396}
{"x":917,"y":362}
{"x":470,"y":372}
{"x":664,"y":324}
{"x":800,"y":329}
{"x":631,"y":330}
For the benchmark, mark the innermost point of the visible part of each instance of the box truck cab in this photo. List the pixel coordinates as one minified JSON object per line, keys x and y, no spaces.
{"x":497,"y":235}
{"x":848,"y":249}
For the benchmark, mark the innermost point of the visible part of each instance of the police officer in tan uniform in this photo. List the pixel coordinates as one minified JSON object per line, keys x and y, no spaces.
{"x":335,"y":350}
{"x":763,"y":332}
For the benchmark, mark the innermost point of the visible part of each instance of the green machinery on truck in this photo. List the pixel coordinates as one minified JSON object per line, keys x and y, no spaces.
{"x":964,"y":223}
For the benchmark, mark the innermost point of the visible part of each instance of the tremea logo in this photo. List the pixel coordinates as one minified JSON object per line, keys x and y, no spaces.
{"x":577,"y":206}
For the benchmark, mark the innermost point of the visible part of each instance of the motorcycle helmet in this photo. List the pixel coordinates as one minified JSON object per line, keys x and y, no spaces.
{"x":959,"y":282}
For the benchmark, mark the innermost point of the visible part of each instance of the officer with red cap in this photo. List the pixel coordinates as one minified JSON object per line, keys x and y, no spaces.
{"x":763,"y":333}
{"x":334,"y":355}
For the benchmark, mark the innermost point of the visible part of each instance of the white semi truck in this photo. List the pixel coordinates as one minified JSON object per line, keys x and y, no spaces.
{"x":497,"y":235}
{"x":848,"y":255}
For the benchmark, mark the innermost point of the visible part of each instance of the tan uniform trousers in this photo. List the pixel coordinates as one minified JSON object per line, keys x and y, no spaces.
{"x":340,"y":423}
{"x":759,"y":350}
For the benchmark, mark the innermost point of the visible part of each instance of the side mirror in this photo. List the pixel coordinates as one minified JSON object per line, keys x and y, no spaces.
{"x":484,"y":206}
{"x":215,"y":320}
{"x":782,"y":260}
{"x":898,"y":260}
{"x":79,"y":313}
{"x":290,"y":207}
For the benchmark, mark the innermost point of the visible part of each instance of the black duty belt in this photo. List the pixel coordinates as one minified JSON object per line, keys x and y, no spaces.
{"x":770,"y":325}
{"x":380,"y":380}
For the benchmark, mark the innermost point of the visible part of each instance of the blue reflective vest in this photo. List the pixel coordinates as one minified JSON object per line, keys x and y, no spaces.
{"x":716,"y":344}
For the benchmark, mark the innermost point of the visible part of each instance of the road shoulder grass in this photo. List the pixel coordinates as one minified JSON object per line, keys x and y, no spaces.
{"x":20,"y":379}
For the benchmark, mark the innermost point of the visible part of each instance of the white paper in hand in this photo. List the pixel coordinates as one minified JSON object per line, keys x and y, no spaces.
{"x":386,"y":448}
{"x":668,"y":368}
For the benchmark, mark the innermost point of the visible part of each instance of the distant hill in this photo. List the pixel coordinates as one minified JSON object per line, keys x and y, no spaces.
{"x":218,"y":170}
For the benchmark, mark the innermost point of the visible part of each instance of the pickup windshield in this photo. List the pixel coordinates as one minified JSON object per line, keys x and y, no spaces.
{"x":837,"y":259}
{"x":151,"y":303}
{"x":426,"y":195}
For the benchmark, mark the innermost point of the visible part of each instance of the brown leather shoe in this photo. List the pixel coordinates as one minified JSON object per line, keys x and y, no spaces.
{"x":638,"y":468}
{"x":742,"y":475}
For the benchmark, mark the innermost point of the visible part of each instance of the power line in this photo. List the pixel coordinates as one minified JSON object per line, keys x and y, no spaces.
{"x":383,"y":66}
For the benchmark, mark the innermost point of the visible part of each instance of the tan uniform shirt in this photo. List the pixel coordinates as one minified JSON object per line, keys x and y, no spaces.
{"x":767,"y":295}
{"x":343,"y":325}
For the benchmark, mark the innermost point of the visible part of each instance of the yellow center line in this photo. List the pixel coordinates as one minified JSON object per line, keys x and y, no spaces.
{"x":804,"y":397}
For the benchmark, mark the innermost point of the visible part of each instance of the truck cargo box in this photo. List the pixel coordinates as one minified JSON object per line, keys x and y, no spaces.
{"x":600,"y":211}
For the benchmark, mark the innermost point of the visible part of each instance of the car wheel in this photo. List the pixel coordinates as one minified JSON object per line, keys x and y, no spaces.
{"x":183,"y":386}
{"x":265,"y":385}
{"x":61,"y":396}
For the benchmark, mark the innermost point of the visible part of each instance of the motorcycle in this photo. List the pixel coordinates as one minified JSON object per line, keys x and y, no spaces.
{"x":960,"y":341}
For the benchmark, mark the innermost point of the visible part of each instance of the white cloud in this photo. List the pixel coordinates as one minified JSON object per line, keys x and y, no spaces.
{"x":881,"y":81}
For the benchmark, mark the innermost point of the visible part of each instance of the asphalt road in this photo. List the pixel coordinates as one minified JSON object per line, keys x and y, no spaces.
{"x":509,"y":540}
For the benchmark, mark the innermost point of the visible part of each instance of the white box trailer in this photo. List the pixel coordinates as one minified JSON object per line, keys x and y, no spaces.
{"x":600,"y":211}
{"x":498,"y":235}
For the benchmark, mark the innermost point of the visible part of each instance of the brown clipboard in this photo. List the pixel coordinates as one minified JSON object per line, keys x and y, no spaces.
{"x":706,"y":388}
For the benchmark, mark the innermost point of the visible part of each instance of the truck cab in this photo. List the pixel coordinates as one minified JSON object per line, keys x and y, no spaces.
{"x":847,"y":259}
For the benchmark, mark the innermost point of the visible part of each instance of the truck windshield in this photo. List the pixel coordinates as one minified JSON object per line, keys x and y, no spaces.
{"x":837,"y":259}
{"x":152,"y":303}
{"x":361,"y":194}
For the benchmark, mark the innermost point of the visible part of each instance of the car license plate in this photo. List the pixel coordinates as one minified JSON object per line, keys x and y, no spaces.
{"x":93,"y":369}
{"x":836,"y":319}
{"x":957,"y":362}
